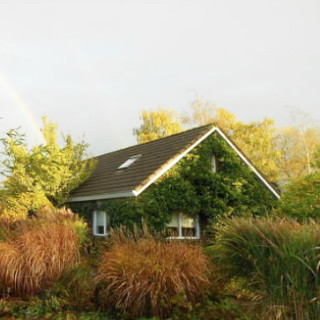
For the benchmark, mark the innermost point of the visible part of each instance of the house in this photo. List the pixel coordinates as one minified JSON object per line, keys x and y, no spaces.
{"x":122,"y":180}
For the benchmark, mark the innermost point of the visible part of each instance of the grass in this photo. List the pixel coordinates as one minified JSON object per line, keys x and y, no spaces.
{"x":262,"y":269}
{"x":279,"y":258}
{"x":38,"y":251}
{"x":147,"y":277}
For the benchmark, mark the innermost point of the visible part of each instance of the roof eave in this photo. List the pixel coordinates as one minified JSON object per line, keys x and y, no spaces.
{"x":104,"y":196}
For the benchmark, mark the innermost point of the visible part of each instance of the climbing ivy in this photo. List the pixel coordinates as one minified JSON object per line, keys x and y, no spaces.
{"x":192,"y":188}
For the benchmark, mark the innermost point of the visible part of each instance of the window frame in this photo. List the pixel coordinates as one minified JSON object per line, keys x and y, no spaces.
{"x":105,"y":226}
{"x":180,"y":236}
{"x":129,"y":162}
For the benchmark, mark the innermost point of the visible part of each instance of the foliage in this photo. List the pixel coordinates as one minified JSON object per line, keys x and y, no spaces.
{"x":316,"y":159}
{"x":84,"y":209}
{"x":279,"y":258}
{"x":256,"y":139}
{"x":224,"y":308}
{"x":38,"y":251}
{"x":301,"y":199}
{"x":171,"y":195}
{"x":76,"y":285}
{"x":281,"y":154}
{"x":157,"y":124}
{"x":42,"y":176}
{"x":230,"y":190}
{"x":123,"y":212}
{"x":144,"y":276}
{"x":45,"y":307}
{"x":299,"y":151}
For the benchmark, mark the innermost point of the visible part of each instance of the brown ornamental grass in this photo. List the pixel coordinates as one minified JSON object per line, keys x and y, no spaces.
{"x":148,"y":277}
{"x":38,"y":251}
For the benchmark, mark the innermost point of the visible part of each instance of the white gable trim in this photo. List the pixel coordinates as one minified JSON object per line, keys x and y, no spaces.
{"x":248,"y":163}
{"x":180,"y":156}
{"x":172,"y":163}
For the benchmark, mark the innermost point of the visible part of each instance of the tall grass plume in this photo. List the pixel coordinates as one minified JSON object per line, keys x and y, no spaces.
{"x":38,"y":251}
{"x":279,"y":258}
{"x":144,"y":276}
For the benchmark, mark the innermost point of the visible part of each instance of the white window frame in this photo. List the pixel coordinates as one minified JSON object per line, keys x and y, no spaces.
{"x":197,"y":227}
{"x":129,"y":162}
{"x":105,"y":226}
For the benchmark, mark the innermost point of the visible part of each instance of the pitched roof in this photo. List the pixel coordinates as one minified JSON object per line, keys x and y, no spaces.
{"x":156,"y":157}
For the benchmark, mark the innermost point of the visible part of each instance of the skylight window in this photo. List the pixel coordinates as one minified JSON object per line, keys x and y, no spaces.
{"x":129,"y":162}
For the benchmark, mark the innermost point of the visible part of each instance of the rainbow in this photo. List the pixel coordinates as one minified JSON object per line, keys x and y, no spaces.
{"x":22,"y":105}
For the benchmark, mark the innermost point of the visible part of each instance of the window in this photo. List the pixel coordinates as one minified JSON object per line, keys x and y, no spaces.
{"x":129,"y":162}
{"x":214,"y":163}
{"x":182,"y":226}
{"x":100,"y":223}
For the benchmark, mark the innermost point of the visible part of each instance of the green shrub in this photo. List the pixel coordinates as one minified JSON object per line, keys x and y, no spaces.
{"x":302,"y":198}
{"x":279,"y":258}
{"x":76,"y":286}
{"x":148,"y":277}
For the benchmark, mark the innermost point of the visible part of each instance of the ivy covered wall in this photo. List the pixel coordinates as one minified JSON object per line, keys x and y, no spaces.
{"x":192,"y":188}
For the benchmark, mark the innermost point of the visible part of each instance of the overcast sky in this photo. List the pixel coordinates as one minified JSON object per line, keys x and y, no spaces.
{"x":91,"y":66}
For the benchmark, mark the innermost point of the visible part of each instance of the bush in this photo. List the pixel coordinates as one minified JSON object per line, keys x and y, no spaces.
{"x":301,"y":200}
{"x":76,"y":286}
{"x":38,"y":251}
{"x":146,"y":277}
{"x":279,"y":258}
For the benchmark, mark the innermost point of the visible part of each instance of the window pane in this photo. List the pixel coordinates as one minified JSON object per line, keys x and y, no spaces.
{"x":100,"y":227}
{"x":174,"y":222}
{"x":100,"y":218}
{"x":188,"y":226}
{"x":187,"y":222}
{"x":188,"y":232}
{"x":173,"y":232}
{"x":129,"y":162}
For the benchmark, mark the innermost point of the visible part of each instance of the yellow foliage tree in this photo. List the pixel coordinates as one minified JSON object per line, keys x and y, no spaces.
{"x":156,"y":124}
{"x":256,"y":139}
{"x":299,"y":149}
{"x":42,"y":176}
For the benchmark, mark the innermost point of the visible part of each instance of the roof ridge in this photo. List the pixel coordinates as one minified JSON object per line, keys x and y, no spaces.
{"x":153,"y":141}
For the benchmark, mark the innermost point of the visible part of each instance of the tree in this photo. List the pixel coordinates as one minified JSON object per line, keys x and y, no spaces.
{"x":256,"y":139}
{"x":42,"y":176}
{"x":302,"y":197}
{"x":202,"y":113}
{"x":298,"y":144}
{"x":157,"y":124}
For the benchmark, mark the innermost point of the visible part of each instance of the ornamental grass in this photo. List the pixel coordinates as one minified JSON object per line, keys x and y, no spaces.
{"x":38,"y":251}
{"x":144,"y":276}
{"x":279,"y":258}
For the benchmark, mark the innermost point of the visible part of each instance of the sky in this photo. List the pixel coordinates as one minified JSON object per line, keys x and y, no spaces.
{"x":92,"y":66}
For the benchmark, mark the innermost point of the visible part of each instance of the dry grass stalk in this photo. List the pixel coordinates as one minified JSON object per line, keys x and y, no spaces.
{"x":37,"y":255}
{"x":145,"y":274}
